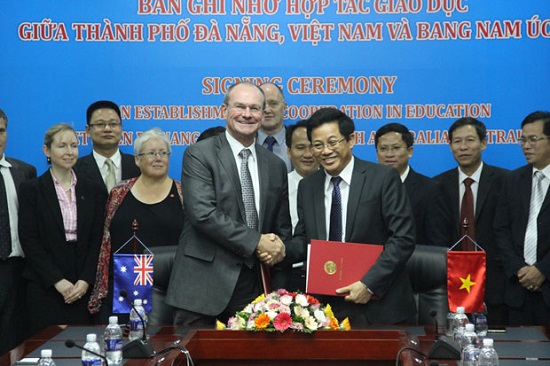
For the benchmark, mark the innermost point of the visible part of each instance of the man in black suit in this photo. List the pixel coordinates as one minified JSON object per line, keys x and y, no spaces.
{"x":236,"y":196}
{"x":467,"y":140}
{"x":372,"y":208}
{"x":522,"y":226}
{"x":12,"y":290}
{"x":394,"y":147}
{"x":106,"y":164}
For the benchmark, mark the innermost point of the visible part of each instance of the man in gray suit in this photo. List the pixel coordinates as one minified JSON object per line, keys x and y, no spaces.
{"x":217,"y":268}
{"x":374,"y":209}
{"x":104,"y":128}
{"x":12,"y":173}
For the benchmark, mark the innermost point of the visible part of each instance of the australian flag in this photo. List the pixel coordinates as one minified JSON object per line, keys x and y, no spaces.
{"x":133,"y":273}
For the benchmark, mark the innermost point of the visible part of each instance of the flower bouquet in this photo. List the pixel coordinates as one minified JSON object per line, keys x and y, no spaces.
{"x":282,"y":310}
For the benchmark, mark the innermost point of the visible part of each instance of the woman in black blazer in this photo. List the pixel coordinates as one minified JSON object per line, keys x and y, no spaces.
{"x":60,"y":228}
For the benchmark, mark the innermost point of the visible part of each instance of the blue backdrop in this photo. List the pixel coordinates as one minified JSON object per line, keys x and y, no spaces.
{"x":423,"y":63}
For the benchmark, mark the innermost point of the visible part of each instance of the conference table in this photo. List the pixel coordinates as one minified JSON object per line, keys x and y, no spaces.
{"x":374,"y":345}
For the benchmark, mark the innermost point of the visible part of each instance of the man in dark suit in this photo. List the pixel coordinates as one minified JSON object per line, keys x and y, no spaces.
{"x":394,"y":147}
{"x":12,"y":290}
{"x":235,"y":193}
{"x":522,"y":226}
{"x":467,"y":141}
{"x":374,"y":208}
{"x":106,"y":164}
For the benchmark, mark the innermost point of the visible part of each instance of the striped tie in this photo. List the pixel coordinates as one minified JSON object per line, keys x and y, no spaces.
{"x":537,"y":196}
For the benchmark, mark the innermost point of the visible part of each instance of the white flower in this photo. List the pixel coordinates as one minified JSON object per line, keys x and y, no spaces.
{"x":286,"y":300}
{"x":310,"y":323}
{"x":284,"y":309}
{"x":301,"y":300}
{"x":320,"y":315}
{"x":301,"y":312}
{"x":271,"y":314}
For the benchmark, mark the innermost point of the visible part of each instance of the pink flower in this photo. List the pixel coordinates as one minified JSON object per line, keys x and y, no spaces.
{"x":282,"y":321}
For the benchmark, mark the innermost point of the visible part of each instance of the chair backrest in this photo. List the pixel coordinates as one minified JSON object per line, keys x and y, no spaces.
{"x":163,"y":261}
{"x":427,"y":269}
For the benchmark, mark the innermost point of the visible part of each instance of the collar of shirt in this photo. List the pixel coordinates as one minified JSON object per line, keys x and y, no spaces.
{"x":236,"y":147}
{"x":344,"y":174}
{"x":545,"y":171}
{"x":476,"y":176}
{"x":406,"y":174}
{"x":4,"y":163}
{"x":100,"y":159}
{"x":280,"y":137}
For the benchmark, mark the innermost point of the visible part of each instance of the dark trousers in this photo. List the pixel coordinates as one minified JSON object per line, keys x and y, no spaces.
{"x":533,"y":312}
{"x":13,"y":325}
{"x":246,"y":290}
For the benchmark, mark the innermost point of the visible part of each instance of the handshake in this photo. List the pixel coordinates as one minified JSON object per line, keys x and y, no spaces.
{"x":270,"y":249}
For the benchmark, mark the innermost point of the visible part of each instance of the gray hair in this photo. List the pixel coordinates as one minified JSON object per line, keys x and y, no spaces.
{"x":153,"y":133}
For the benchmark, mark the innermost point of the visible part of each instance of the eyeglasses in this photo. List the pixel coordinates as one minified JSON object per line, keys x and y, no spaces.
{"x":331,"y":145}
{"x":152,"y":154}
{"x":531,"y":139}
{"x":390,"y":149}
{"x":103,"y":125}
{"x":254,"y":109}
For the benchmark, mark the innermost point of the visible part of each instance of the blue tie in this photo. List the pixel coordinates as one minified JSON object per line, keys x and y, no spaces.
{"x":270,"y":141}
{"x":335,"y":233}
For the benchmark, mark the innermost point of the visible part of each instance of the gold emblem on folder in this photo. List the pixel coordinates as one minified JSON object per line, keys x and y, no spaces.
{"x":330,"y":267}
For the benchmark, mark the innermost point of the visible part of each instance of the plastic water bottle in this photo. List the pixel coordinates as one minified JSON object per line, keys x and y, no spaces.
{"x":458,"y":336}
{"x":113,"y":342}
{"x":481,"y":324}
{"x":470,"y":335}
{"x":487,"y":354}
{"x":449,"y":324}
{"x":460,"y":319}
{"x":470,"y":355}
{"x":46,"y":358}
{"x":136,"y":326}
{"x":89,"y":359}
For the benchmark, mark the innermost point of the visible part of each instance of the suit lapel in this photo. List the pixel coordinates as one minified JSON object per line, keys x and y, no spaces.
{"x":358,"y":180}
{"x":263,"y":177}
{"x":483,"y":189}
{"x":48,"y":189}
{"x":317,"y":196}
{"x":454,"y":193}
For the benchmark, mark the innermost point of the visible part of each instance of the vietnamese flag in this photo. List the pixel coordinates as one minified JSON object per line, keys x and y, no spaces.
{"x":466,"y":280}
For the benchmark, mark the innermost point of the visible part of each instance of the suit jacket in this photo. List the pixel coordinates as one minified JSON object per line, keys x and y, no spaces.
{"x":20,"y":172}
{"x":378,"y":212}
{"x":87,"y":168}
{"x":510,"y":226}
{"x":490,"y":184}
{"x":430,"y":210}
{"x":215,"y":241}
{"x":42,"y":232}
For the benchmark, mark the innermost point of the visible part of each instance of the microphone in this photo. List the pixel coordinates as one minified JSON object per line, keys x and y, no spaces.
{"x":433,"y":314}
{"x":434,"y":363}
{"x":138,"y":348}
{"x":70,"y":344}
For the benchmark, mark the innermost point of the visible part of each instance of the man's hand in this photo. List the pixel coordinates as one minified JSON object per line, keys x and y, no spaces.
{"x":357,"y":293}
{"x":530,"y":278}
{"x":270,"y":249}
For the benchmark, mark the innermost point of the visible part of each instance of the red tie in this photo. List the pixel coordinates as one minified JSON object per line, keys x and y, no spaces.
{"x":467,"y":221}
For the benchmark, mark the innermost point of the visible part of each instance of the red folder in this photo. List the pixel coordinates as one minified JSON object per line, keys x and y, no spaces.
{"x":332,"y":264}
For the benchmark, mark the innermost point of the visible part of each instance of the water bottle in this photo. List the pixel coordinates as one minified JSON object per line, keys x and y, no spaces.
{"x":460,"y":319}
{"x":470,"y":355}
{"x":89,"y":359}
{"x":470,"y":335}
{"x":487,"y":354}
{"x":113,"y":342}
{"x":449,"y":324}
{"x":458,"y":336}
{"x":46,"y":358}
{"x":481,"y":324}
{"x":136,"y":326}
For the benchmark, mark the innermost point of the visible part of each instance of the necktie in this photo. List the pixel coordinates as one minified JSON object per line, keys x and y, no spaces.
{"x":248,"y":191}
{"x":467,"y":218}
{"x":5,"y":234}
{"x":270,"y":141}
{"x":110,"y":178}
{"x":537,"y":196}
{"x":335,"y":233}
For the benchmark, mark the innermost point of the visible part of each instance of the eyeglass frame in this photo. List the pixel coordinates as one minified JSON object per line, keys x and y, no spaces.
{"x":331,"y":145}
{"x":532,"y":140}
{"x":163,"y":154}
{"x":103,"y":125}
{"x":254,"y":109}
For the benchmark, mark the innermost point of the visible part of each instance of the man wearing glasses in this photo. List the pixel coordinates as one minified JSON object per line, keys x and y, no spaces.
{"x":106,"y":163}
{"x":522,"y":226}
{"x":357,"y":201}
{"x":394,"y":147}
{"x":480,"y":182}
